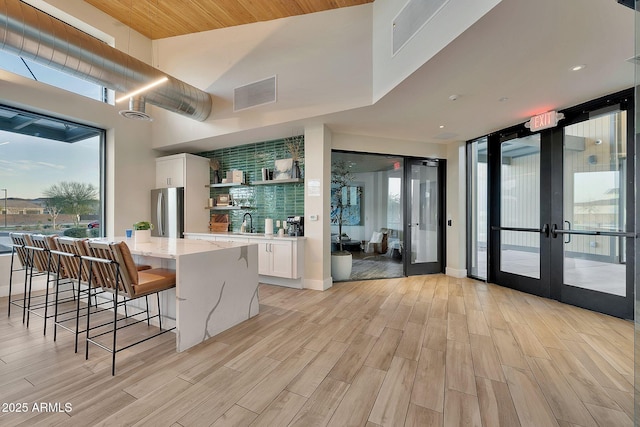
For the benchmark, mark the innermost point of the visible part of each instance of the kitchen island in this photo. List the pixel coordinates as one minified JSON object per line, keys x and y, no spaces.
{"x":216,"y":284}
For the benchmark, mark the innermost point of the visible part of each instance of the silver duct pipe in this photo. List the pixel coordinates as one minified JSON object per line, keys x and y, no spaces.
{"x":32,"y":34}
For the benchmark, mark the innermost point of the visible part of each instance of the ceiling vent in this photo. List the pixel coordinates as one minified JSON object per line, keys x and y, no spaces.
{"x":413,"y":16}
{"x":254,"y":94}
{"x":136,"y":110}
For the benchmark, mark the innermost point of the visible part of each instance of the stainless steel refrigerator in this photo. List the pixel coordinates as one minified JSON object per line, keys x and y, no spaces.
{"x":167,"y":212}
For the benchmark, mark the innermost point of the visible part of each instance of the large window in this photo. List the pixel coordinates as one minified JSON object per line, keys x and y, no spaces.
{"x":51,"y":176}
{"x":35,"y":71}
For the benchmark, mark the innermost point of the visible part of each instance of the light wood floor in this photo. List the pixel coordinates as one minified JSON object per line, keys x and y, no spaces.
{"x":419,"y":351}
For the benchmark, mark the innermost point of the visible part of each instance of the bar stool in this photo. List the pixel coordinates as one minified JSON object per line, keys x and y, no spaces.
{"x":17,"y":249}
{"x":111,"y":267}
{"x":37,"y":259}
{"x":23,"y":247}
{"x":57,"y":277}
{"x":69,"y":252}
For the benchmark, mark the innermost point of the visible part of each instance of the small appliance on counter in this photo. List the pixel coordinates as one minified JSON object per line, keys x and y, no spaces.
{"x":295,"y":225}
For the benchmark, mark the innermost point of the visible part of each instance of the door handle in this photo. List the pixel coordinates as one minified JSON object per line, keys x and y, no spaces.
{"x":545,"y":230}
{"x":568,"y":228}
{"x":159,"y":212}
{"x":411,"y":225}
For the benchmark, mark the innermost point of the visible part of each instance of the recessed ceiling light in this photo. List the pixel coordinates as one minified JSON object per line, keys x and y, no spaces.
{"x":441,"y":126}
{"x":453,"y":97}
{"x":578,"y":67}
{"x":4,"y":143}
{"x":503,"y":99}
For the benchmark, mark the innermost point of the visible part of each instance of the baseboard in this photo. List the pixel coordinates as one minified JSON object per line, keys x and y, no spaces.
{"x":281,"y":281}
{"x":318,"y":285}
{"x":454,"y":272}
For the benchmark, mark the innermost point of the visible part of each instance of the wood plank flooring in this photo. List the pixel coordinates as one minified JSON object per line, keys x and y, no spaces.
{"x":417,"y":351}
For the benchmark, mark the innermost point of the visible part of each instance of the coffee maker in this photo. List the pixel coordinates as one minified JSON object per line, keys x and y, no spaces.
{"x":295,"y":225}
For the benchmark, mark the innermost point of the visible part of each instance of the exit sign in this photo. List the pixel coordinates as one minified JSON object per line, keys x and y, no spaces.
{"x":544,"y":121}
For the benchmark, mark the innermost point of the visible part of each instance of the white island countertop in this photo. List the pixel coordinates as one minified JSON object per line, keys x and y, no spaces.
{"x":171,"y":248}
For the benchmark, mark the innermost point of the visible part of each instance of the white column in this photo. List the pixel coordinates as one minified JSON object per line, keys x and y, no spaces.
{"x":456,"y":210}
{"x":317,"y":180}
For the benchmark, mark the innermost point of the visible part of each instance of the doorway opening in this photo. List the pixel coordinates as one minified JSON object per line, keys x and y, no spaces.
{"x":393,"y":224}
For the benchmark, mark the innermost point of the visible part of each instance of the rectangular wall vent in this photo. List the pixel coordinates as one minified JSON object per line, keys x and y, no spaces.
{"x":413,"y":16}
{"x":254,"y":94}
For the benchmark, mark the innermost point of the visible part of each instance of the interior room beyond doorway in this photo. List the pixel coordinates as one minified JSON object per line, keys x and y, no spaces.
{"x":372,"y":231}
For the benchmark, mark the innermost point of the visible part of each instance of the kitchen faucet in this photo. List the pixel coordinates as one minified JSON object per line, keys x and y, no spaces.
{"x":244,"y":217}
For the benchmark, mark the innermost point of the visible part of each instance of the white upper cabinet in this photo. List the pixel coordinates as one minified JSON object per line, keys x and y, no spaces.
{"x":170,"y":171}
{"x":192,"y":173}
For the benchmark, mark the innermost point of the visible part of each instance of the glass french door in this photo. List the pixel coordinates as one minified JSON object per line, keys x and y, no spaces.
{"x":424,"y":212}
{"x":563,"y":212}
{"x":591,"y":231}
{"x":520,"y":238}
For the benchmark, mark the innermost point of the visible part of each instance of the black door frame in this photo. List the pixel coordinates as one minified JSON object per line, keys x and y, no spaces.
{"x":541,"y":286}
{"x":431,"y":267}
{"x":581,"y":297}
{"x":551,"y":213}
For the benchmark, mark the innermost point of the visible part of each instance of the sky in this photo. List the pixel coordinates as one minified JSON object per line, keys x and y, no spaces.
{"x":14,"y":64}
{"x":29,"y":165}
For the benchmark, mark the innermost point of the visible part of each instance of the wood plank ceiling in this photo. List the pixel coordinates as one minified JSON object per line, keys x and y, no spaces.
{"x":157,"y":19}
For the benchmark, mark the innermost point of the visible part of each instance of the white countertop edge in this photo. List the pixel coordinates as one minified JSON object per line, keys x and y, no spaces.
{"x":171,"y":247}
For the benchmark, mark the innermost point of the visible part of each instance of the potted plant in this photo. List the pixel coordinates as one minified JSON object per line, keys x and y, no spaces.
{"x":294,"y":145}
{"x":142,"y":231}
{"x":341,"y":178}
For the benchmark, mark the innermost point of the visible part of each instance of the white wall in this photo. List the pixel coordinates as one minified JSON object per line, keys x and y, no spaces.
{"x":318,"y":71}
{"x":451,"y":21}
{"x":370,"y":144}
{"x":456,"y":210}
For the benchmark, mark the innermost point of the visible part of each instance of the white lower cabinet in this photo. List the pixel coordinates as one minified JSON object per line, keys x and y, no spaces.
{"x":276,"y":259}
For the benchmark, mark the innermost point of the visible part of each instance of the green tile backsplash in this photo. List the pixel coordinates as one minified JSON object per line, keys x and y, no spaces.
{"x":276,"y":201}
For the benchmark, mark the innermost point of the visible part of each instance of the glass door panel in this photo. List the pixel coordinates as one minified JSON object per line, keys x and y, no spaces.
{"x":594,"y":175}
{"x":424,"y":212}
{"x":477,"y":185}
{"x":520,"y":206}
